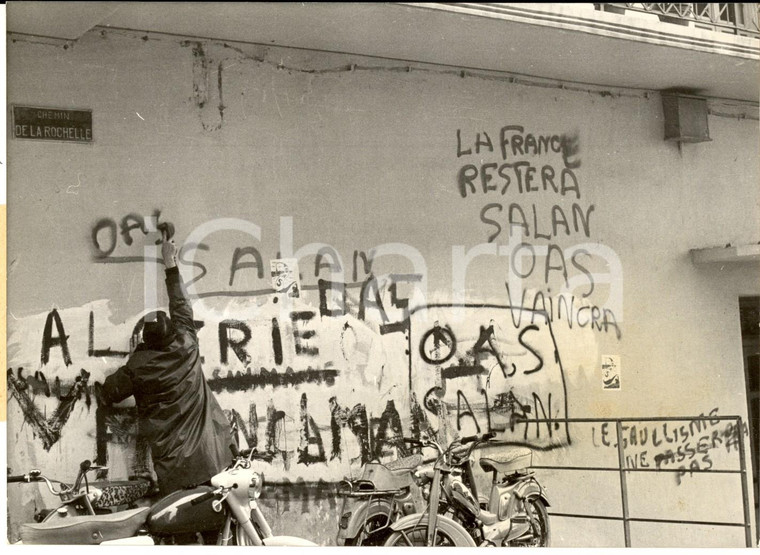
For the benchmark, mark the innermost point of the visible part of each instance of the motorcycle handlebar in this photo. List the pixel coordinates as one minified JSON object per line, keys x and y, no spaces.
{"x":21,"y":478}
{"x":205,"y":497}
{"x":254,"y":455}
{"x":483,"y":437}
{"x":32,"y":476}
{"x":412,"y":441}
{"x":87,"y":466}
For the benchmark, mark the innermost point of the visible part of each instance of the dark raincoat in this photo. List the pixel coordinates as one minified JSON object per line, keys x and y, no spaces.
{"x":178,"y":415}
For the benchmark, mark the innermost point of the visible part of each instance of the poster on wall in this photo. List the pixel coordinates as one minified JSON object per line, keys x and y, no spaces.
{"x":285,"y":276}
{"x":611,"y":372}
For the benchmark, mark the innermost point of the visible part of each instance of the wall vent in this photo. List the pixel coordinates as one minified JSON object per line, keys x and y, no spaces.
{"x":685,"y":118}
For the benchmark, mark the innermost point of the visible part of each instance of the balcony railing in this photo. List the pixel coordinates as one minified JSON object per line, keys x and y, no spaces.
{"x":732,"y":18}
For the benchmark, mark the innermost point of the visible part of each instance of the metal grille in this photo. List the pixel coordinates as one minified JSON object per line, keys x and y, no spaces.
{"x":680,"y":10}
{"x":734,"y":18}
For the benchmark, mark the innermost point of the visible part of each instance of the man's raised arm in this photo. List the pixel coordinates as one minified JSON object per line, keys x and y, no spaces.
{"x":180,"y":310}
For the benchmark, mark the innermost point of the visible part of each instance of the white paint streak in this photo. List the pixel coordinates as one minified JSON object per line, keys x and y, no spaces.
{"x":131,"y":286}
{"x":75,"y":190}
{"x":278,"y":105}
{"x":139,"y":116}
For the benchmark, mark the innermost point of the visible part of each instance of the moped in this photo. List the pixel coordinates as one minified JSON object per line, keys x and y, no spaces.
{"x":382,"y":494}
{"x":514,"y":514}
{"x":89,"y":511}
{"x":225,"y":511}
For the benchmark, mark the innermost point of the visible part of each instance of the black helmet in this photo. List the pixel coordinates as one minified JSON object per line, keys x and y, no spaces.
{"x":157,"y":331}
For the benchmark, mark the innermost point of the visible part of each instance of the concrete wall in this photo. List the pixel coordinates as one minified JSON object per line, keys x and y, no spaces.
{"x":371,"y":174}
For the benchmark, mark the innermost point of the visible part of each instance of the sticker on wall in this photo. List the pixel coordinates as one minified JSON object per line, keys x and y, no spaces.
{"x":610,"y":372}
{"x":52,"y":124}
{"x":285,"y":276}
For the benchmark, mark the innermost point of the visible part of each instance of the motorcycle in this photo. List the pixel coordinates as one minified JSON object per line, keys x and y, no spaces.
{"x":225,"y":511}
{"x":381,"y":495}
{"x":82,"y":504}
{"x":513,"y":515}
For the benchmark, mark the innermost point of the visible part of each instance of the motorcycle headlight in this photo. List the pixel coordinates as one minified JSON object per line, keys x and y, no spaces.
{"x":256,"y":485}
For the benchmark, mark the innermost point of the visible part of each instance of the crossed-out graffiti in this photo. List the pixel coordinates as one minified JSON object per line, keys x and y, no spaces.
{"x":290,"y":389}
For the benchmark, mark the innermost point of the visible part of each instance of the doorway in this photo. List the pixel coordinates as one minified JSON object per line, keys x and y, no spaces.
{"x":749,"y":313}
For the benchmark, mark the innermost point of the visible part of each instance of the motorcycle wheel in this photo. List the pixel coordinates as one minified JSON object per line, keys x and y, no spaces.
{"x":538,"y":538}
{"x":374,"y":537}
{"x":464,"y":520}
{"x":445,"y":536}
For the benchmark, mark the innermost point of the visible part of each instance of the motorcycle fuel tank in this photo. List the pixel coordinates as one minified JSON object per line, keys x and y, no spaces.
{"x":174,"y":514}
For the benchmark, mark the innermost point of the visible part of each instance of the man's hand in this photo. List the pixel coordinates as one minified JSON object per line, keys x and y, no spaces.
{"x":168,"y":251}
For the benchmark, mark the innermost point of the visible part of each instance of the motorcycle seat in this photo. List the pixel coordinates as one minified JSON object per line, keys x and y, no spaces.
{"x":85,"y":529}
{"x":510,"y":461}
{"x":120,"y":493}
{"x":406,"y":463}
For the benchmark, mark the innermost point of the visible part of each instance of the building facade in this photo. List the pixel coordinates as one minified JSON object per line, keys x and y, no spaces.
{"x":538,"y":219}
